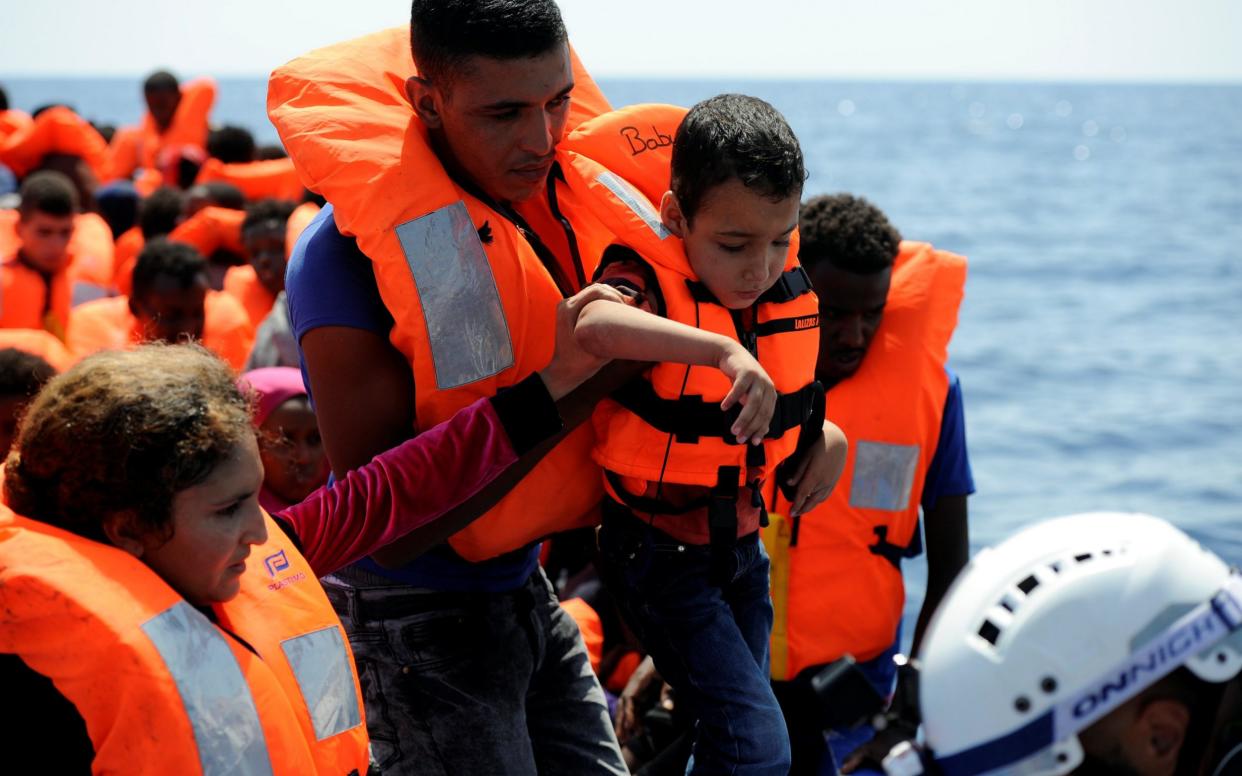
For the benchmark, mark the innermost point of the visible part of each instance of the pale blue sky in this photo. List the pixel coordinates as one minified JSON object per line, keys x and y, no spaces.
{"x":1162,"y":40}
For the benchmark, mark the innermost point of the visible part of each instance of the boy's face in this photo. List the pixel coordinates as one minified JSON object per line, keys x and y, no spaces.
{"x":500,"y":120}
{"x":738,"y":241}
{"x":851,"y":308}
{"x":45,"y":240}
{"x":265,"y":245}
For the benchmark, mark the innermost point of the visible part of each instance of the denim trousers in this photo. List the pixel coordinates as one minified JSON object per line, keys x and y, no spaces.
{"x":476,"y":683}
{"x":709,"y":642}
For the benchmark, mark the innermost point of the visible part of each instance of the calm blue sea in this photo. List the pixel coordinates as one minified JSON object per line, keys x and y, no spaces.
{"x":1100,"y":344}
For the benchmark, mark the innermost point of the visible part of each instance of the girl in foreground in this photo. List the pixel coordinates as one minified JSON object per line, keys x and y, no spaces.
{"x":154,"y":619}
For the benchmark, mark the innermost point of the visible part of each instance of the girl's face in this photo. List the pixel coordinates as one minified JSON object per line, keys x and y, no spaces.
{"x":215,"y":523}
{"x":292,"y":451}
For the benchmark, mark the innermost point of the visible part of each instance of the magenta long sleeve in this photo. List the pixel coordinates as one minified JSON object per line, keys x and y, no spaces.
{"x":404,"y":488}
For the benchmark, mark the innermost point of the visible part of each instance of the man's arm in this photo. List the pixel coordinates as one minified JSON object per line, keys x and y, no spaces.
{"x":364,"y":394}
{"x":948,"y":548}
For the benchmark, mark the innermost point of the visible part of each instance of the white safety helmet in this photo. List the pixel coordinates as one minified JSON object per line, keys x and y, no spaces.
{"x":1057,"y":626}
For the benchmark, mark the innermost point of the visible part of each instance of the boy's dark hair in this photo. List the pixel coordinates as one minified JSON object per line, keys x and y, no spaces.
{"x":125,"y":431}
{"x":266,"y":153}
{"x":223,"y":194}
{"x":158,"y":214}
{"x":443,"y":33}
{"x":4,"y":99}
{"x":848,"y":232}
{"x":22,"y":374}
{"x":162,"y":257}
{"x":48,"y":192}
{"x":265,"y":210}
{"x":733,"y":136}
{"x":161,"y":81}
{"x":231,"y":145}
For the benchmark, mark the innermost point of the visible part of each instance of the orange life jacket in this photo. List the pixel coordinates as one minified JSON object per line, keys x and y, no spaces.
{"x":836,"y":585}
{"x":668,"y":427}
{"x":56,"y":130}
{"x":473,"y":313}
{"x":40,"y":343}
{"x":11,"y":121}
{"x":257,"y":180}
{"x":243,"y":284}
{"x":128,"y":246}
{"x":212,"y":229}
{"x":26,"y":301}
{"x":138,"y":147}
{"x":160,"y":687}
{"x":108,"y":324}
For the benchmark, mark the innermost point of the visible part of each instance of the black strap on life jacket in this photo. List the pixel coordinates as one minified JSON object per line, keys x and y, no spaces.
{"x":894,"y":553}
{"x":691,"y":418}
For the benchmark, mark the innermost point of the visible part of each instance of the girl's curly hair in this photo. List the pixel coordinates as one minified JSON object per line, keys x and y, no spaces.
{"x":124,"y":431}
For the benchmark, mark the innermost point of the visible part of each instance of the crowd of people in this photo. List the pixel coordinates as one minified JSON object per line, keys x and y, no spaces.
{"x":460,"y":434}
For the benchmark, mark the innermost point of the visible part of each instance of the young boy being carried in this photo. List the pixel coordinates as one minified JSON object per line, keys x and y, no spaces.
{"x":720,"y":302}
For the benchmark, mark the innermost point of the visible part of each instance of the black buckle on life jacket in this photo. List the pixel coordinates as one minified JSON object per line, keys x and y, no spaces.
{"x":791,"y":285}
{"x":722,"y":524}
{"x":690,"y":418}
{"x":895,"y":553}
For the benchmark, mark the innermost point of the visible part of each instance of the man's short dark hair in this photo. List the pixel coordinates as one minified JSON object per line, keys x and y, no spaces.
{"x":160,"y":211}
{"x":848,"y":232}
{"x":161,"y":81}
{"x":732,"y":136}
{"x":48,"y":192}
{"x":4,"y":99}
{"x":444,"y":33}
{"x":22,"y":374}
{"x":265,"y":210}
{"x":265,"y":153}
{"x":231,"y":145}
{"x":162,"y":257}
{"x":221,"y":194}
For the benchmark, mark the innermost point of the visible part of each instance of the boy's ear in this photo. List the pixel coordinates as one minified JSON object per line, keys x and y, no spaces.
{"x":123,"y":532}
{"x":672,"y":217}
{"x":423,"y":96}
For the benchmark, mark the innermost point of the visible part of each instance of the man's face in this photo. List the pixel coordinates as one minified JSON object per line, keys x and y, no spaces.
{"x":45,"y":240}
{"x":162,"y":104}
{"x":738,"y":241}
{"x":500,"y":120}
{"x":851,"y":307}
{"x":170,"y":313}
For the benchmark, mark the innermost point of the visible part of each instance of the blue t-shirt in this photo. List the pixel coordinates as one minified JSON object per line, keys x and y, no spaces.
{"x":329,"y":282}
{"x":949,"y":474}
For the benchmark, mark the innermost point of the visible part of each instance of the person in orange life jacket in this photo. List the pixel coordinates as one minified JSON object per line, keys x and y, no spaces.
{"x":294,"y":463}
{"x":736,"y":178}
{"x":170,"y":301}
{"x":257,"y":283}
{"x":493,"y":95}
{"x":152,"y":452}
{"x":158,"y":214}
{"x":34,"y":282}
{"x":176,"y":120}
{"x":849,"y":249}
{"x":22,"y":374}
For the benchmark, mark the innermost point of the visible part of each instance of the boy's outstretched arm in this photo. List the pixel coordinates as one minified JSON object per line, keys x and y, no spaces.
{"x":610,"y":330}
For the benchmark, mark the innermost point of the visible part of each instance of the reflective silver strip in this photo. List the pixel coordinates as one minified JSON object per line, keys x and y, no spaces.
{"x":321,"y":666}
{"x":457,"y":292}
{"x":883,"y":476}
{"x":636,"y":201}
{"x":213,"y":691}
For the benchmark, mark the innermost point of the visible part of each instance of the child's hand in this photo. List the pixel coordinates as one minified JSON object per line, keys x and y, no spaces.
{"x":819,"y":470}
{"x":753,"y":389}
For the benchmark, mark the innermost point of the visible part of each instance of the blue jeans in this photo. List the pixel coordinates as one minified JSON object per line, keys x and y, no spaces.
{"x":709,"y":642}
{"x":476,"y":683}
